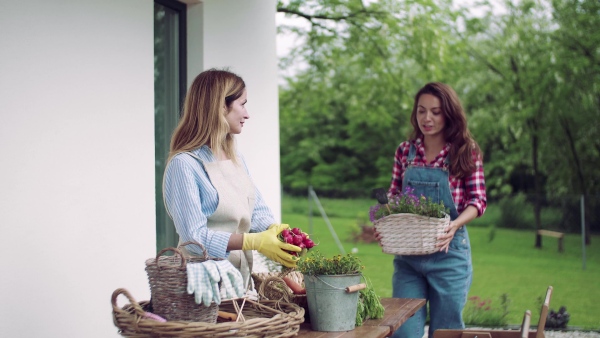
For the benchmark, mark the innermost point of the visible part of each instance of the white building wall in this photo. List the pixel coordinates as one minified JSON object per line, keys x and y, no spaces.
{"x":77,"y":149}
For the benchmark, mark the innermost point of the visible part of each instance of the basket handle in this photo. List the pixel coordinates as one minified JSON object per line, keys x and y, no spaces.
{"x":176,"y":251}
{"x":136,"y":306}
{"x":204,"y":251}
{"x":180,"y":254}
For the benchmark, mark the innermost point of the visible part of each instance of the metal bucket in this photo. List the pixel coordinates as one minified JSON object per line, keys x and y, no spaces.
{"x":330,"y":307}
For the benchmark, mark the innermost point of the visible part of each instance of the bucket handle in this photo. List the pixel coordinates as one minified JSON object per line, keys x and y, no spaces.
{"x":348,"y":289}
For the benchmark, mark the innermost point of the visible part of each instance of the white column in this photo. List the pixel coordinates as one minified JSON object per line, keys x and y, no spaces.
{"x":241,"y":35}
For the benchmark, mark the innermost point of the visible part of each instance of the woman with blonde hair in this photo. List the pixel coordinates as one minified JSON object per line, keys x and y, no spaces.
{"x":208,"y":191}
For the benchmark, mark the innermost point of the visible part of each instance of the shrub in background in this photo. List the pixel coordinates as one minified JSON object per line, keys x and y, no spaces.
{"x":516,"y":212}
{"x":480,"y":312}
{"x":558,"y":320}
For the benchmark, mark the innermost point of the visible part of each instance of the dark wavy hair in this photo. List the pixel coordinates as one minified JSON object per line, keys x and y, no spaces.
{"x":456,"y":131}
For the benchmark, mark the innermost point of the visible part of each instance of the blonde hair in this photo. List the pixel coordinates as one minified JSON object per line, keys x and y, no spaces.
{"x":207,"y":101}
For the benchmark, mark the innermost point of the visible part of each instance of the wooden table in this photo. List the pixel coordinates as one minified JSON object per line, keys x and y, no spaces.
{"x":397,"y":311}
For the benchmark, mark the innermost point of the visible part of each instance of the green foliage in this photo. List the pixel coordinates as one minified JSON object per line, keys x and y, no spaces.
{"x":481,"y":312}
{"x":342,"y":118}
{"x":369,"y":305}
{"x":526,"y":74}
{"x":514,"y":212}
{"x":317,"y":264}
{"x":492,"y":233}
{"x":408,"y":203}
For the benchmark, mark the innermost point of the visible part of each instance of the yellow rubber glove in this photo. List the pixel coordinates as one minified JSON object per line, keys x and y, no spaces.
{"x":268,"y":244}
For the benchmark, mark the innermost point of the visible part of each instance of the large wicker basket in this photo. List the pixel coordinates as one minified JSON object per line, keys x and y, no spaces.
{"x":271,"y":286}
{"x":264,"y":319}
{"x":167,"y":276}
{"x":410,"y":234}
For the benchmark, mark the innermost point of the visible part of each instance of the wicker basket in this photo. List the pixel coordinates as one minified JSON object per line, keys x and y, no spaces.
{"x":167,"y":276}
{"x":410,"y":234}
{"x":271,"y":286}
{"x":264,"y":319}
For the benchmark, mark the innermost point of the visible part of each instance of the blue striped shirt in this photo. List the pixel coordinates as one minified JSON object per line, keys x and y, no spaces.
{"x":191,"y":198}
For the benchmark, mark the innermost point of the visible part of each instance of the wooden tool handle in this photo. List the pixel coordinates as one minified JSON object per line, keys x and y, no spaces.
{"x":227,"y":316}
{"x":354,"y":288}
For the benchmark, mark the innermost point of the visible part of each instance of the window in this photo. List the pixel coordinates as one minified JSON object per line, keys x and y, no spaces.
{"x":169,"y":91}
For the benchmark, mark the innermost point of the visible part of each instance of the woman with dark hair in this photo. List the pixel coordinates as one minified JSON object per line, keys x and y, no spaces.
{"x":440,"y":161}
{"x":207,"y":187}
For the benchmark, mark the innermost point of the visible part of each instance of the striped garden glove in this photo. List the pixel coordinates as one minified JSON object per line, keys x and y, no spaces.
{"x":203,"y":282}
{"x":231,"y":280}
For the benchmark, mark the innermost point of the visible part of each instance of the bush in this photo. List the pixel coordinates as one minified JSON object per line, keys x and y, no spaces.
{"x":558,"y":320}
{"x":479,"y":312}
{"x":516,"y":212}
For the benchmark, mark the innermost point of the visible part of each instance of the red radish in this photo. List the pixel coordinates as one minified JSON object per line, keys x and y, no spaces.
{"x":309,"y":243}
{"x":296,"y":236}
{"x":297,"y":240}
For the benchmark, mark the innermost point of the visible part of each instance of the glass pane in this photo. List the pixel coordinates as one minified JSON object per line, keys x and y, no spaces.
{"x":166,"y":109}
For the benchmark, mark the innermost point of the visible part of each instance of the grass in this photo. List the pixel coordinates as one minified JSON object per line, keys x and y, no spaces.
{"x":508,"y":264}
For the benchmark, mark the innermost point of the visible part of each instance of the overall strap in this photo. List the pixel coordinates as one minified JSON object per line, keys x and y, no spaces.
{"x":411,"y":153}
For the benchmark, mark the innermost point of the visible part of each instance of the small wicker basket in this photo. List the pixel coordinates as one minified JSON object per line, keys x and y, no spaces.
{"x":264,"y":319}
{"x":410,"y":234}
{"x":271,"y":286}
{"x":167,"y":276}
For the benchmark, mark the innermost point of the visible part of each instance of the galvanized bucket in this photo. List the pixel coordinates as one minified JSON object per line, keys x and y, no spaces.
{"x":330,"y":306}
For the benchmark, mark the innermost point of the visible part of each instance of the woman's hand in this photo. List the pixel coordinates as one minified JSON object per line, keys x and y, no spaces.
{"x":268,"y":244}
{"x":445,"y":239}
{"x":377,"y":236}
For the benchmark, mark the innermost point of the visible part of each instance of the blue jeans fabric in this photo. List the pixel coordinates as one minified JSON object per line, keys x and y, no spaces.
{"x":443,"y":279}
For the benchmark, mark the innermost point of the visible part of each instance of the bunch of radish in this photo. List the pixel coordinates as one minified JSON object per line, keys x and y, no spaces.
{"x":298,"y":238}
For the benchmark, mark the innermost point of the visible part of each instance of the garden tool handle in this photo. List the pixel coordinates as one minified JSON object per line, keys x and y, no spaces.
{"x":354,"y":288}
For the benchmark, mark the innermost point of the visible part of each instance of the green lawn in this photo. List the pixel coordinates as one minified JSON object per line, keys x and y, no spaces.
{"x":508,"y":264}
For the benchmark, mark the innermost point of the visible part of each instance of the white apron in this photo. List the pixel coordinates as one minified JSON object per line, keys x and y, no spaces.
{"x":236,"y":194}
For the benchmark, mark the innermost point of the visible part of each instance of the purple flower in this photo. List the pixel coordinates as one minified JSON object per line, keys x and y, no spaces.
{"x":373,"y":211}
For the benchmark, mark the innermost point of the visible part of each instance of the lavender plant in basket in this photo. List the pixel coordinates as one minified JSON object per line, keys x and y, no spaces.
{"x":408,"y":225}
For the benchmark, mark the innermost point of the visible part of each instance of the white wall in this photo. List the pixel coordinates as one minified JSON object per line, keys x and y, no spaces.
{"x":77,"y":148}
{"x":241,"y":35}
{"x":77,"y":174}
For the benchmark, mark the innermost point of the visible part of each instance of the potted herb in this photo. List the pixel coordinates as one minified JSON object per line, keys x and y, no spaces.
{"x":332,"y":285}
{"x":408,"y":224}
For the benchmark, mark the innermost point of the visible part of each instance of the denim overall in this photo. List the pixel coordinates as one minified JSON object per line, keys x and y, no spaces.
{"x":442,"y":278}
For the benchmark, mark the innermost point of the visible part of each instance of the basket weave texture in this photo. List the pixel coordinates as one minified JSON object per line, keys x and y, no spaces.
{"x":271,"y":286}
{"x":410,"y":234}
{"x":167,"y":276}
{"x":264,"y":319}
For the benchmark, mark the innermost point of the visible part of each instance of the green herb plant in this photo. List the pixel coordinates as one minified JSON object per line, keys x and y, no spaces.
{"x":317,"y":264}
{"x":369,"y":305}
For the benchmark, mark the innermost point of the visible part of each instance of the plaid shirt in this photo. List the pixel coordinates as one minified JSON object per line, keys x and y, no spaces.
{"x":469,"y":190}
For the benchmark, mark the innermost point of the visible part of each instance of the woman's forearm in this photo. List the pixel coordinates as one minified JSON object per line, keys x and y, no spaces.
{"x":469,"y":214}
{"x":235,"y":242}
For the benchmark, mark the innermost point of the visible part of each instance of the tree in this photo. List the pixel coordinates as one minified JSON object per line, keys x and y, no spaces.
{"x":351,"y":107}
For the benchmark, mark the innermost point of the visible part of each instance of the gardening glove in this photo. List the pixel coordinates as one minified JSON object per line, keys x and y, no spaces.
{"x":213,"y":272}
{"x":268,"y":244}
{"x":200,"y":283}
{"x":231,"y":280}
